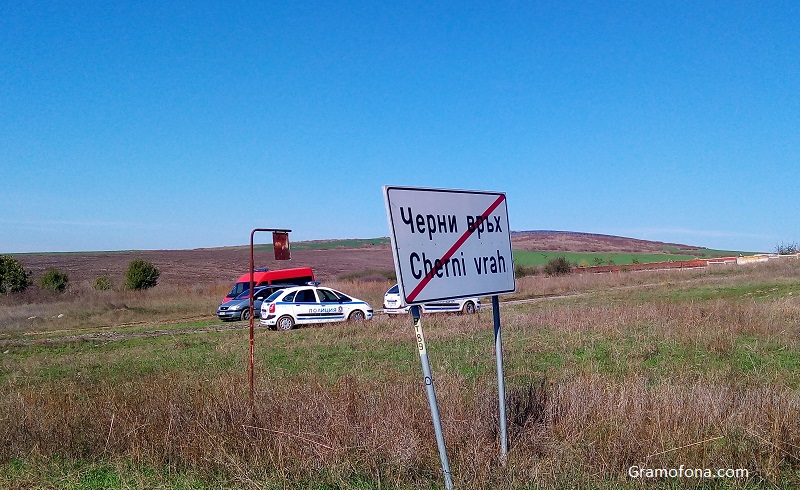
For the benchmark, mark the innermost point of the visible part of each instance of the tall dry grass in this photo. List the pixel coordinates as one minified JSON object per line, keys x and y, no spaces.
{"x":85,"y":308}
{"x":571,"y":424}
{"x":588,"y":427}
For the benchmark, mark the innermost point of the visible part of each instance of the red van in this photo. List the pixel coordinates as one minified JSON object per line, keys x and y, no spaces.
{"x":262,"y":277}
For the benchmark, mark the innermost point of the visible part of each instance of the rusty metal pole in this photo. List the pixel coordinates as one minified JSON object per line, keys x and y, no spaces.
{"x":252,"y":286}
{"x":252,"y":341}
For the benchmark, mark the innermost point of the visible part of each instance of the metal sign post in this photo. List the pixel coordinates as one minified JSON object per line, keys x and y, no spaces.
{"x":501,"y":384}
{"x":283,"y":236}
{"x":426,"y":373}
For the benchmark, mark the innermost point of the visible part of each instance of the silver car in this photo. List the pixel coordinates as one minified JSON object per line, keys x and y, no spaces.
{"x":393,"y":304}
{"x":238,"y":308}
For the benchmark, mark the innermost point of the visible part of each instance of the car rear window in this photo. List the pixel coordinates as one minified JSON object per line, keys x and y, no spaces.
{"x":344,"y":298}
{"x":272,"y":297}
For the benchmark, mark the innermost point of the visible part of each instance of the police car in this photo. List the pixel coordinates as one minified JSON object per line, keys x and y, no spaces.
{"x":393,"y":304}
{"x":311,"y":304}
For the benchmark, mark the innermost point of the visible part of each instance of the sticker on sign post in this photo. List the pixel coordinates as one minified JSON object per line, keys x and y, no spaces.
{"x":448,"y":243}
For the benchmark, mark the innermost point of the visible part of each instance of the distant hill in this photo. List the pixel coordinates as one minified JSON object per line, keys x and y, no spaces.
{"x":572,"y":241}
{"x":550,"y":240}
{"x":329,"y":258}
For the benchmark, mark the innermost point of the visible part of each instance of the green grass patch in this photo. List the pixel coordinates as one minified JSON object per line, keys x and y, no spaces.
{"x":336,"y":351}
{"x":752,"y":291}
{"x":329,"y":244}
{"x":705,"y":252}
{"x":59,"y":474}
{"x":530,"y":258}
{"x":633,"y":349}
{"x":88,"y":475}
{"x":298,"y":353}
{"x":123,"y":359}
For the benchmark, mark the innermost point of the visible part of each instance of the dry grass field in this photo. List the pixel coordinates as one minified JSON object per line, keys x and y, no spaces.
{"x":697,"y":369}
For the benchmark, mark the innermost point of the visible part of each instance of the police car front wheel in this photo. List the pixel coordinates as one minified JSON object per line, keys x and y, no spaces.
{"x":356,"y":316}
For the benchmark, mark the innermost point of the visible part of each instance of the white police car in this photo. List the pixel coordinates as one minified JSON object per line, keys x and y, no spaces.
{"x":311,"y":304}
{"x":393,"y":304}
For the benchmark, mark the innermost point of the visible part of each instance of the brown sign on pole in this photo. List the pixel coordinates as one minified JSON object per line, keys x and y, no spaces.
{"x":285,"y":234}
{"x":280,"y":241}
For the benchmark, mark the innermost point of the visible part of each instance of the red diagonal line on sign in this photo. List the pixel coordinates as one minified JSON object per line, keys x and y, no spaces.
{"x":425,"y":280}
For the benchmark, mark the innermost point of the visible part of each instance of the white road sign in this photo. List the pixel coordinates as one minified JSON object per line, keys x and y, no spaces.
{"x":449,"y":243}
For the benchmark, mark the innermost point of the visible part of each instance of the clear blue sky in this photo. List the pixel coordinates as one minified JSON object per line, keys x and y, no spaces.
{"x":169,"y":125}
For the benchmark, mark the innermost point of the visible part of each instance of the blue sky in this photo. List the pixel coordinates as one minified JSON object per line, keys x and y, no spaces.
{"x":170,"y":125}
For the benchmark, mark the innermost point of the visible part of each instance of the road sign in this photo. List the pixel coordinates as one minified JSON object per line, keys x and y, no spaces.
{"x":449,"y":243}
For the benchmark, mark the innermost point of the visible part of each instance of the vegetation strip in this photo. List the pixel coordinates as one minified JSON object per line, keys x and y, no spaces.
{"x":666,"y":368}
{"x":117,"y":336}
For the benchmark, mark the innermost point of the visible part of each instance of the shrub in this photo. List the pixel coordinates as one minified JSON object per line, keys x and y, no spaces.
{"x":13,"y":277}
{"x":557,"y":267}
{"x":102,"y":283}
{"x":141,"y":274}
{"x":786,"y":248}
{"x":524,"y":271}
{"x":54,"y":280}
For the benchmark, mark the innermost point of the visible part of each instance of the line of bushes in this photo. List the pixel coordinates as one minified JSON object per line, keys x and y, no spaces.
{"x":141,"y":274}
